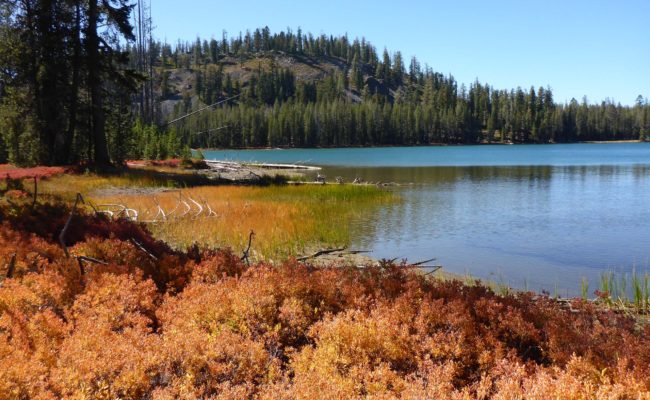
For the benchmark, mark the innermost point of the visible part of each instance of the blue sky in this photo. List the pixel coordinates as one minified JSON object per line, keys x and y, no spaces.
{"x":595,"y":48}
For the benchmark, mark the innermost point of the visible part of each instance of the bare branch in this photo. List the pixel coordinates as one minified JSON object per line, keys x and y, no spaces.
{"x":11,"y":267}
{"x":244,"y":256}
{"x":197,"y":205}
{"x":67,"y":224}
{"x":422,"y":262}
{"x":435,"y":268}
{"x":35,"y":192}
{"x":81,"y":259}
{"x":143,"y":249}
{"x":320,"y":253}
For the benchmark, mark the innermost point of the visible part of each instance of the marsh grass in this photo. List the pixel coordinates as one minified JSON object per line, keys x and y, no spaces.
{"x":502,"y":286}
{"x":627,"y":291}
{"x":287,"y":220}
{"x":584,"y":289}
{"x":68,"y":185}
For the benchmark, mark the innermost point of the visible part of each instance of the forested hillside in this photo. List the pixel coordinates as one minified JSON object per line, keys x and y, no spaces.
{"x":74,"y":88}
{"x":299,"y":90}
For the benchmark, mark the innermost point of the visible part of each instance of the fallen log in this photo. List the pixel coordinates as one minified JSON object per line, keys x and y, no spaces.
{"x":320,"y":253}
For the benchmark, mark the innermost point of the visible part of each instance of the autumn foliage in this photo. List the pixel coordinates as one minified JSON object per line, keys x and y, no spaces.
{"x":161,"y":324}
{"x":12,"y":172}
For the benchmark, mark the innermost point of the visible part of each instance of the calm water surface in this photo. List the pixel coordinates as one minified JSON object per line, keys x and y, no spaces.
{"x":535,"y":216}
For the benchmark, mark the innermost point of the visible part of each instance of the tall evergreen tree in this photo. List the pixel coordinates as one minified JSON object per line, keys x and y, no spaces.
{"x":53,"y":51}
{"x":357,"y":72}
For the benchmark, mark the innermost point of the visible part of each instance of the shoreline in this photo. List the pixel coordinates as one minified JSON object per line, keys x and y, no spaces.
{"x":413,"y":145}
{"x":610,"y":141}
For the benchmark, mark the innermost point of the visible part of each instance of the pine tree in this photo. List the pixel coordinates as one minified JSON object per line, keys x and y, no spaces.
{"x":214,"y":51}
{"x":164,"y":85}
{"x":385,"y":71}
{"x":414,"y":70}
{"x":398,"y":69}
{"x":197,"y":54}
{"x":46,"y":46}
{"x":357,"y":73}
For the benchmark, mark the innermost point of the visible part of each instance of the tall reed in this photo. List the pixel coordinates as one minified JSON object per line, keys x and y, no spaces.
{"x":614,"y":289}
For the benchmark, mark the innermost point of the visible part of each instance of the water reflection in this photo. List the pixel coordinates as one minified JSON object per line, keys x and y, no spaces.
{"x":442,"y":175}
{"x":537,"y":226}
{"x":541,"y":214}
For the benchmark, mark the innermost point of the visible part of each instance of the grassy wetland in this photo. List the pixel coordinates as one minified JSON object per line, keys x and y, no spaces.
{"x":288,"y":220}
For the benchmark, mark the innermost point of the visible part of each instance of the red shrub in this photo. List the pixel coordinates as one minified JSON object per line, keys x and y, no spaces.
{"x":11,"y":172}
{"x":202,"y":324}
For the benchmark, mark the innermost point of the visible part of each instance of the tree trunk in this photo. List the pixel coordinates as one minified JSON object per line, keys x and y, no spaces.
{"x":65,"y":155}
{"x":94,"y":81}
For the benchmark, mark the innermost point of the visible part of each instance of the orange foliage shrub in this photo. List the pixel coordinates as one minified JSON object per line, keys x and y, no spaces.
{"x":202,"y":324}
{"x":110,"y":351}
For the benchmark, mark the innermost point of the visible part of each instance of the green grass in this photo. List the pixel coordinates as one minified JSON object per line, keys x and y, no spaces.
{"x":584,"y":289}
{"x":622,"y":290}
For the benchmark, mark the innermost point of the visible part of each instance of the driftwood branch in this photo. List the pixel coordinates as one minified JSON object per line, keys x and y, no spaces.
{"x":175,"y":208}
{"x":211,"y":213}
{"x":197,"y":205}
{"x":187,"y":208}
{"x":35,"y":192}
{"x":131,"y":214}
{"x":67,"y":224}
{"x":161,"y":211}
{"x":320,"y":253}
{"x":207,"y":207}
{"x":244,"y":256}
{"x":435,"y":268}
{"x":92,"y":260}
{"x":357,"y":251}
{"x":95,"y":210}
{"x":81,"y":260}
{"x":11,"y":267}
{"x":422,"y":262}
{"x":116,"y":211}
{"x":195,"y":253}
{"x":140,"y":247}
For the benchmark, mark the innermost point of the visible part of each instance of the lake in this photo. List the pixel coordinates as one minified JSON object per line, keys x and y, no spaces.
{"x":540,"y":217}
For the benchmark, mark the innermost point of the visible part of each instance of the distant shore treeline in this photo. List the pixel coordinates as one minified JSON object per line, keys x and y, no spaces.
{"x":72,"y":89}
{"x":367,"y":99}
{"x":340,"y":123}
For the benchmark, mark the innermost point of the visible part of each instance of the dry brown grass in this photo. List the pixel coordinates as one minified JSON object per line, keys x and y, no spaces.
{"x":287,"y":220}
